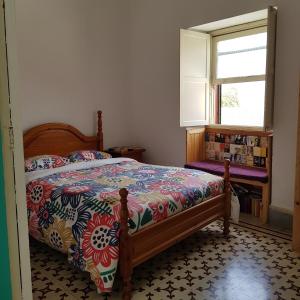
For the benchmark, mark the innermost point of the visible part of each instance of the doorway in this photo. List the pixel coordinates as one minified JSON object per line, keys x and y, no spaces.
{"x":5,"y":284}
{"x":14,"y":229}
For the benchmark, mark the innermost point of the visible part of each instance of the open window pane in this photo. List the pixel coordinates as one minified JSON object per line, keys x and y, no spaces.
{"x":242,"y":104}
{"x":242,"y":56}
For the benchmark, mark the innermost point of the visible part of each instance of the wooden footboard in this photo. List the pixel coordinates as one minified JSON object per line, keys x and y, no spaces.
{"x":146,"y":243}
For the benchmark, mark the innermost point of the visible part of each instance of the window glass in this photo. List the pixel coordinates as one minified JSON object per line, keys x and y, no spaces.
{"x":243,"y":103}
{"x":242,"y":56}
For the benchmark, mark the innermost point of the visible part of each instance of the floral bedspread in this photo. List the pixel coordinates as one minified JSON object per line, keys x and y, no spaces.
{"x":78,"y":211}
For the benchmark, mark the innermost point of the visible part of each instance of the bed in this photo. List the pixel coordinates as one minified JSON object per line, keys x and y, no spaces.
{"x":115,"y":213}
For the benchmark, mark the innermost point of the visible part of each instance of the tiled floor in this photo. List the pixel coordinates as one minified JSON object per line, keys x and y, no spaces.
{"x":249,"y":265}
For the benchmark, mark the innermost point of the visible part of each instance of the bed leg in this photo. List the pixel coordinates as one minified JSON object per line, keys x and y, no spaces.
{"x":127,"y":287}
{"x":125,"y":248}
{"x":227,"y":197}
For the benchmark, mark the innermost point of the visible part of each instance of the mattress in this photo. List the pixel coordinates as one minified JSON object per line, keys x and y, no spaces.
{"x":76,"y":208}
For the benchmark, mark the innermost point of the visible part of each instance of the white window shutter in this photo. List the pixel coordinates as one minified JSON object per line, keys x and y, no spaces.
{"x":270,"y":68}
{"x":194,"y":78}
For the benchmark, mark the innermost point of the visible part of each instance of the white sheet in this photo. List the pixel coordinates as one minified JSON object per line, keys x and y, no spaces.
{"x":29,"y":176}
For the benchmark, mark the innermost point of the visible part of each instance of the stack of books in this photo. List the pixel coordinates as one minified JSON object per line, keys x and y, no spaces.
{"x":250,"y":198}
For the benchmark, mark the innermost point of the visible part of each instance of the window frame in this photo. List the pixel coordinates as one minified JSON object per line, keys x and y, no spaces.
{"x":215,"y":83}
{"x":214,"y":60}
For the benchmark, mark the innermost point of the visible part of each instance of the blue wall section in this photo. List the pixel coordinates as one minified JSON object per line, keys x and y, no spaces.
{"x":5,"y":284}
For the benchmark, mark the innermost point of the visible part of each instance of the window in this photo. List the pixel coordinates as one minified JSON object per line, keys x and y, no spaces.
{"x":239,"y":68}
{"x":227,"y":72}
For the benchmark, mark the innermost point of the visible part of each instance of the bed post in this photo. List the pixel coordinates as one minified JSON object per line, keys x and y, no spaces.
{"x":125,"y":248}
{"x":99,"y":130}
{"x":227,"y":196}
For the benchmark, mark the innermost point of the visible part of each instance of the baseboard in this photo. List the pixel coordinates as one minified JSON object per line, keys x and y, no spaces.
{"x":283,"y":210}
{"x":281,"y":218}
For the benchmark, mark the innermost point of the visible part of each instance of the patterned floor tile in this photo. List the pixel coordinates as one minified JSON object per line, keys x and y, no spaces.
{"x":248,"y":265}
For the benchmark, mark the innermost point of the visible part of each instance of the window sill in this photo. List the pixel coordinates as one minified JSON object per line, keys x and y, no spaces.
{"x":240,"y":129}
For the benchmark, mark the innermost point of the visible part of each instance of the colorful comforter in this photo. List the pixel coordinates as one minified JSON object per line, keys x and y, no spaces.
{"x":76,"y":208}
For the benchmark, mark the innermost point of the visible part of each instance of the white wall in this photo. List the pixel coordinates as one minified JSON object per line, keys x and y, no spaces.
{"x":122,"y":56}
{"x":73,"y":60}
{"x":154,"y":93}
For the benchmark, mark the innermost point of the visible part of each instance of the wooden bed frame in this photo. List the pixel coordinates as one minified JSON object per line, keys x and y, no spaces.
{"x":60,"y":139}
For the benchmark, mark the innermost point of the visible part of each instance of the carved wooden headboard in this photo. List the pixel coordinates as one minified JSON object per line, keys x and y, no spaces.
{"x":60,"y":139}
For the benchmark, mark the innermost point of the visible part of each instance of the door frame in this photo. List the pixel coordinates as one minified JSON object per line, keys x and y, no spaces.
{"x":5,"y":283}
{"x":296,"y":215}
{"x":13,"y":158}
